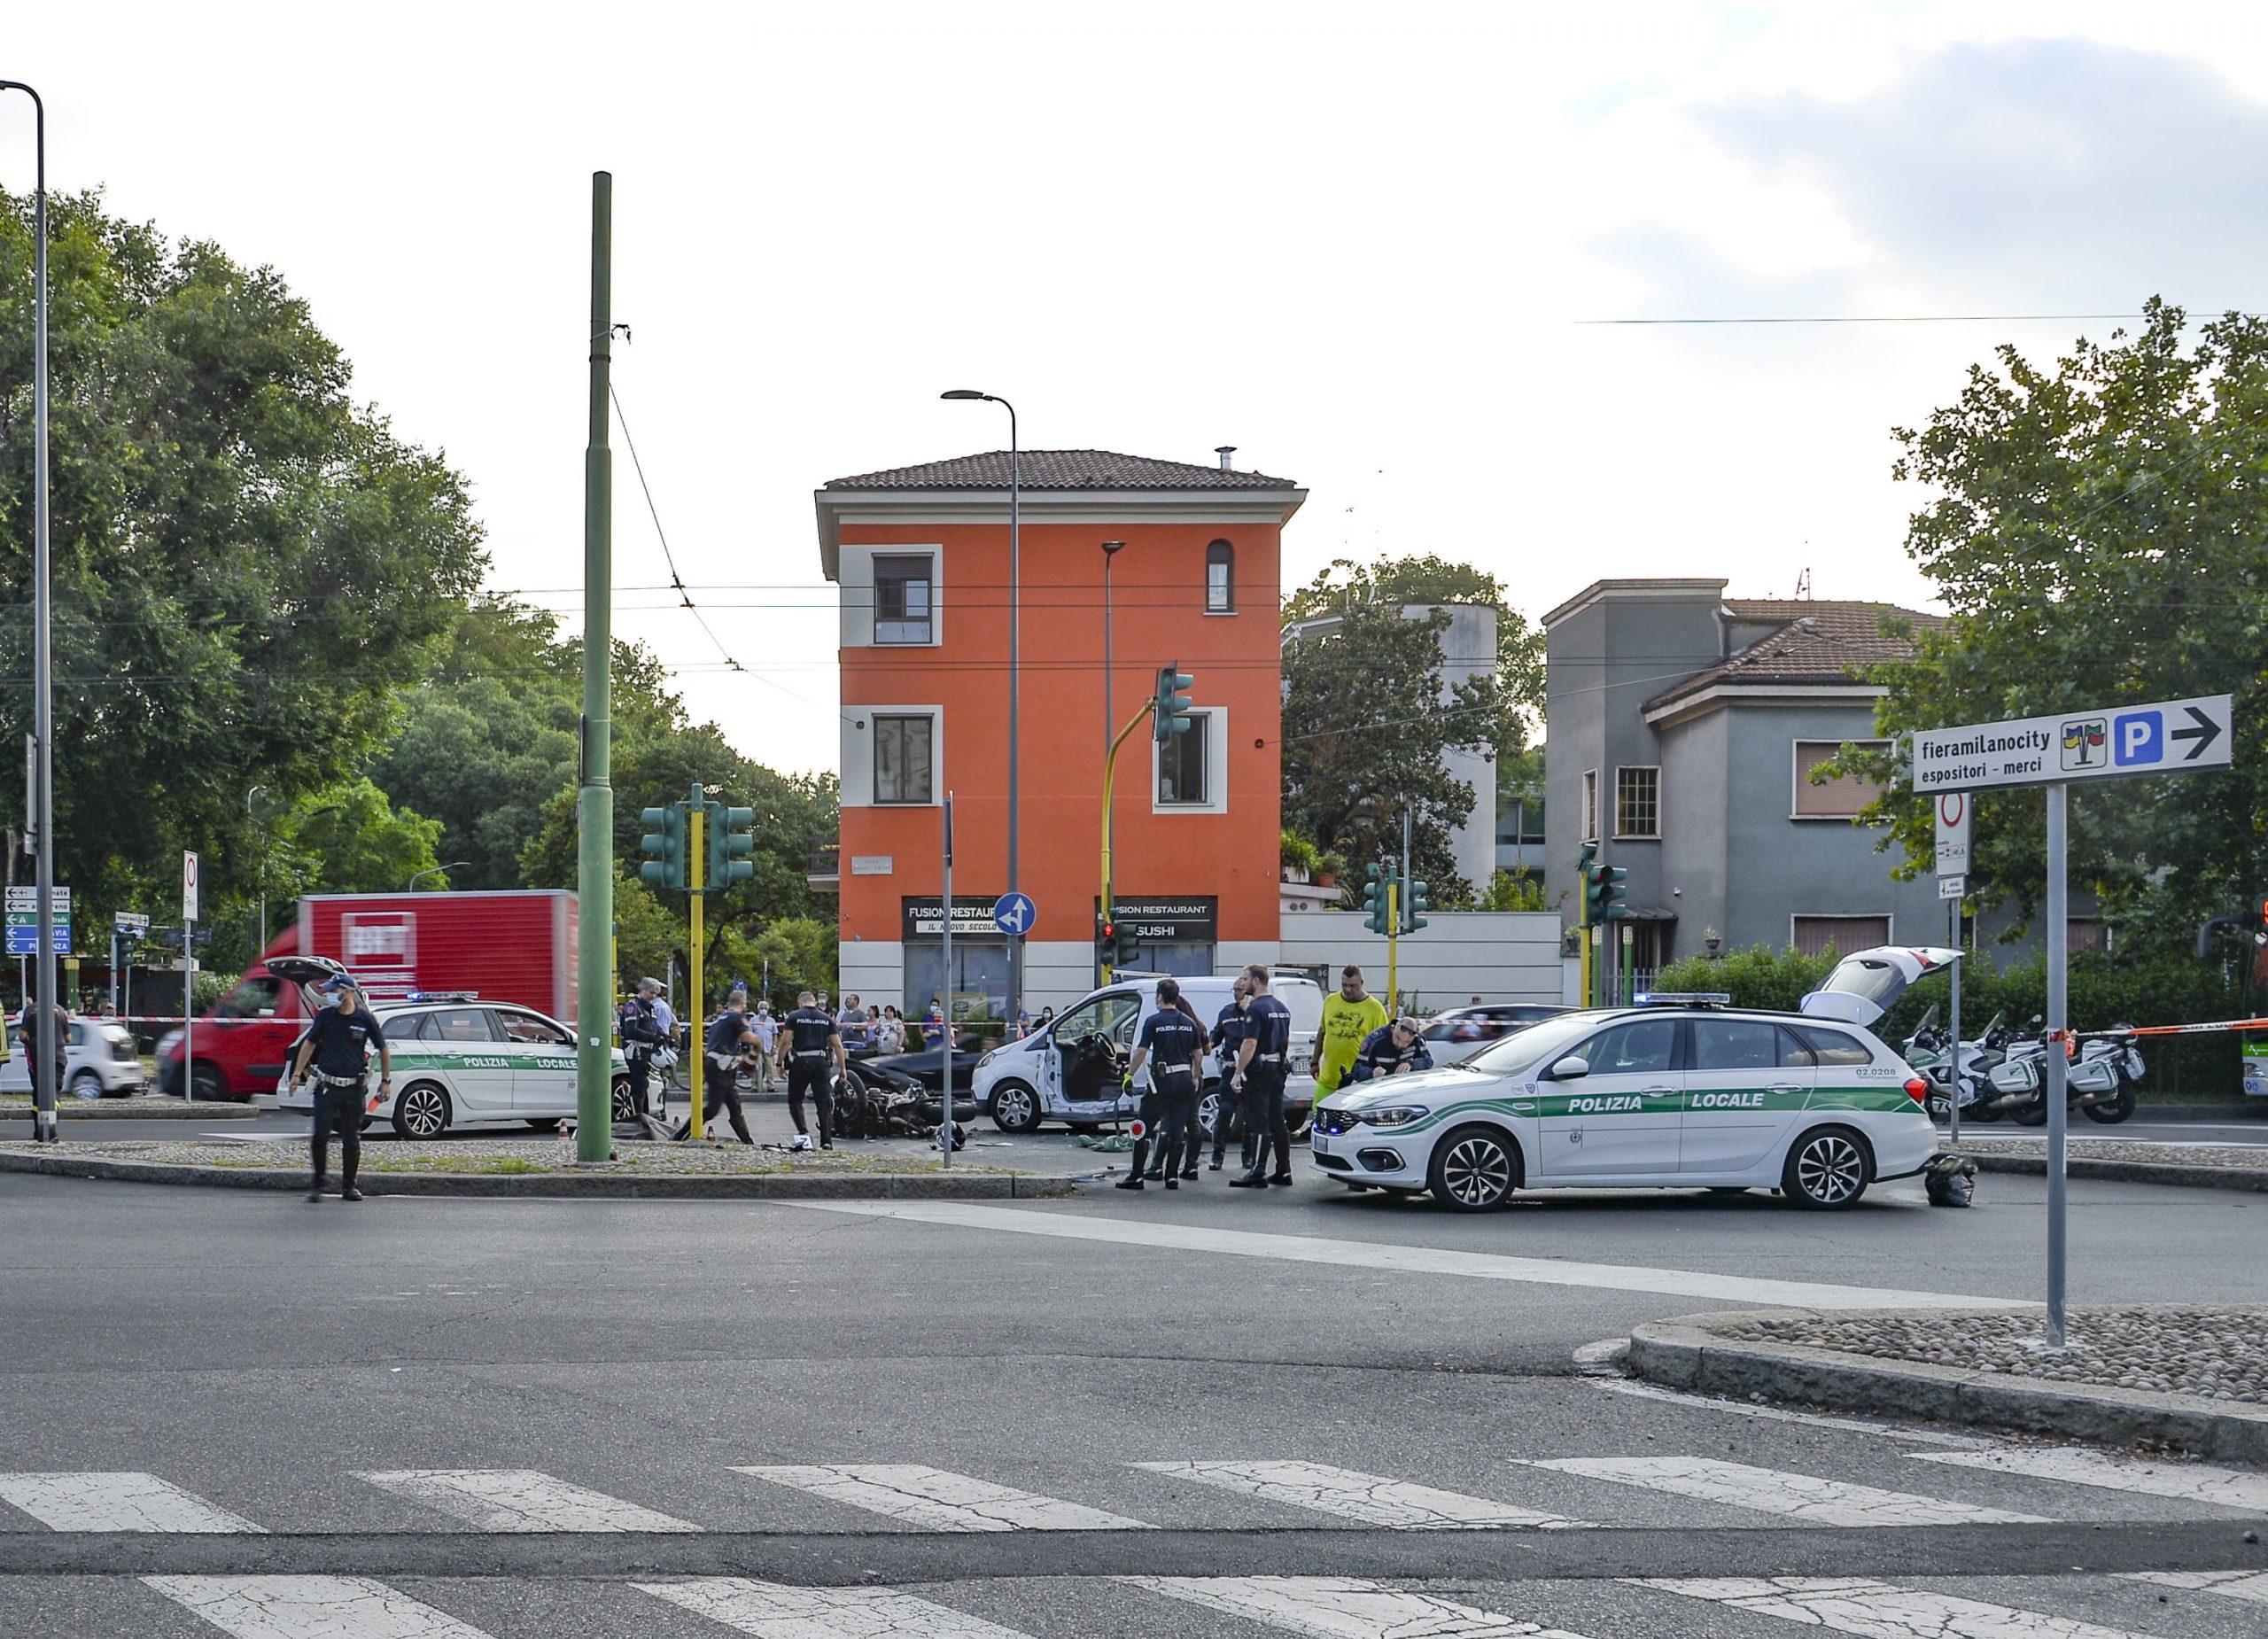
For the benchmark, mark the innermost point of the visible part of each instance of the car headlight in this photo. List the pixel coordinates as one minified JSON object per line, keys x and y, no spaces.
{"x":987,"y":1058}
{"x":1399,"y":1115}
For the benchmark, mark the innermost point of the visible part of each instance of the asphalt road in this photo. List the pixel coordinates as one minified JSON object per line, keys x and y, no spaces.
{"x":435,"y":1419}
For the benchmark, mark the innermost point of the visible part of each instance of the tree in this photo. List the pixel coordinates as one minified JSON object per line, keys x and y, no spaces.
{"x":353,"y":840}
{"x":1517,"y":703}
{"x":246,"y":564}
{"x":2098,"y":537}
{"x":1365,"y":726}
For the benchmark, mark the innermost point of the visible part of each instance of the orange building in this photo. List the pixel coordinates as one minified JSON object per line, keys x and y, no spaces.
{"x":921,"y":556}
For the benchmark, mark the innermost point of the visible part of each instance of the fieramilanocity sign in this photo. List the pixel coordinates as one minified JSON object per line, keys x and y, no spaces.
{"x":2170,"y":736}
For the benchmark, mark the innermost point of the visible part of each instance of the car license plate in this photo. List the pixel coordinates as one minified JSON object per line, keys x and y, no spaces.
{"x":1322,"y":1144}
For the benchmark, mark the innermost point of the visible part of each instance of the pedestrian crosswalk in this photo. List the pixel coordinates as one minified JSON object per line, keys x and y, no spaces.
{"x":2005,"y":1484}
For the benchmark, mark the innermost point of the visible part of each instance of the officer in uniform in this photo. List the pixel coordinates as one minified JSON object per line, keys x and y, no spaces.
{"x":811,"y":1039}
{"x":639,"y":1024}
{"x":1392,"y":1049}
{"x":1228,"y":1031}
{"x":729,"y":1037}
{"x":1262,"y":1056}
{"x":1174,"y":1044}
{"x":336,"y":1041}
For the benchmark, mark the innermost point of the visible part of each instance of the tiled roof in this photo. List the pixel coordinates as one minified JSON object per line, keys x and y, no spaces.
{"x":1826,"y":641}
{"x":1061,"y":468}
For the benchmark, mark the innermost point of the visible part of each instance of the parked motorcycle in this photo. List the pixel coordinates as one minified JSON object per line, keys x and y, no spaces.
{"x":1929,"y":1051}
{"x":2100,"y":1083}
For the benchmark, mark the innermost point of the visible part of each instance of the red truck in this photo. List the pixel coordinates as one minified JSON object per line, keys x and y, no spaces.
{"x":512,"y":946}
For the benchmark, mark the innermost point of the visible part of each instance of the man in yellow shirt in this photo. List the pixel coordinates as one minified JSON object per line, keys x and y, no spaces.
{"x":1348,"y":1018}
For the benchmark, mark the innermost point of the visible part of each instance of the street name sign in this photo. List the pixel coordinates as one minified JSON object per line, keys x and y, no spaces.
{"x":25,"y":896}
{"x":2104,"y":743}
{"x":129,"y":921}
{"x":1952,"y":886}
{"x":1953,"y":834}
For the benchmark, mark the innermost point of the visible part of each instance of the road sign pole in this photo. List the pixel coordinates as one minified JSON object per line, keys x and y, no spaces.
{"x":595,"y":760}
{"x":1393,"y":943}
{"x":696,"y":813}
{"x":188,"y":1012}
{"x":2057,"y":1023}
{"x":1952,"y":1130}
{"x":945,"y":1048}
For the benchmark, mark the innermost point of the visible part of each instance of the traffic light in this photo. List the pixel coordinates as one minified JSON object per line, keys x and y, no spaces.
{"x":1114,"y":944}
{"x":732,"y":838}
{"x":1374,"y":898}
{"x":1603,"y":893}
{"x":1414,"y":906}
{"x":663,"y":846}
{"x":1172,"y":715}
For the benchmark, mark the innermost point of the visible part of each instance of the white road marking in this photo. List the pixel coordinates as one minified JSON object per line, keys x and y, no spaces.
{"x":2193,"y":1482}
{"x":521,"y":1499}
{"x":1351,"y":1494}
{"x":115,"y":1502}
{"x":776,"y":1611}
{"x":2251,"y":1585}
{"x":1411,"y":1260}
{"x":1802,"y":1497}
{"x":1777,"y":1414}
{"x":1331,"y":1607}
{"x":938,"y":1500}
{"x":1879,"y":1611}
{"x":304,"y":1607}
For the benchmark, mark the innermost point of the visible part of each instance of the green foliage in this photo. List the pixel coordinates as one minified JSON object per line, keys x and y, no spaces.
{"x":1508,"y":892}
{"x":353,"y":840}
{"x":800,"y":950}
{"x":1299,"y":853}
{"x":2098,"y":538}
{"x":1757,"y":978}
{"x":1364,"y":730}
{"x":247,"y":565}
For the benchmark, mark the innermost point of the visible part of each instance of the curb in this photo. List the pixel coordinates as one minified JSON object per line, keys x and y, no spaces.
{"x":2250,"y":1178}
{"x":111,"y":1110}
{"x":593,"y":1186}
{"x":1688,"y":1353}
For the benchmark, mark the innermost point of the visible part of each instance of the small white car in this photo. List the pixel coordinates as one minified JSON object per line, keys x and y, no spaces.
{"x":1682,"y":1093}
{"x":1069,"y":1071}
{"x":458,"y":1061}
{"x":99,"y":1061}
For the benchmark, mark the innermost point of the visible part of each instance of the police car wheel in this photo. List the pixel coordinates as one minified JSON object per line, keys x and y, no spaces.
{"x":421,"y":1111}
{"x":1474,"y":1169}
{"x":1826,"y":1171}
{"x":1015,"y":1108}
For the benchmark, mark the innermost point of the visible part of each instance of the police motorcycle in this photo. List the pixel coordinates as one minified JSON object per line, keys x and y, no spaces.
{"x":2100,"y":1083}
{"x":1953,"y":1077}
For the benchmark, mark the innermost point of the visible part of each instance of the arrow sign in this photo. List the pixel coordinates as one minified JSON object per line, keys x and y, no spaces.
{"x":2093,"y":742}
{"x":2202,"y":729}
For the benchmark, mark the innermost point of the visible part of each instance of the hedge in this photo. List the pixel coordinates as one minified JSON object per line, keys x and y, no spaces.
{"x":2103,"y":990}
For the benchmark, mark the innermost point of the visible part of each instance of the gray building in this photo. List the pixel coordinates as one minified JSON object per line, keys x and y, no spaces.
{"x":1683,"y":727}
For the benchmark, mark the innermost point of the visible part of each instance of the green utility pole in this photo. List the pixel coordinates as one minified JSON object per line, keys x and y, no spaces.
{"x":595,"y":795}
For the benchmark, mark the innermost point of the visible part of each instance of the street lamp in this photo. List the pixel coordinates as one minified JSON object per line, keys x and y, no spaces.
{"x":262,"y":871}
{"x":42,"y":814}
{"x":436,"y":870}
{"x":1110,"y":551}
{"x":1015,"y":653}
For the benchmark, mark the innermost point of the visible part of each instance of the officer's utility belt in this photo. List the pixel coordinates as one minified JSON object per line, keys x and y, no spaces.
{"x":340,"y":1081}
{"x":1268,"y":1058}
{"x":817,"y":1052}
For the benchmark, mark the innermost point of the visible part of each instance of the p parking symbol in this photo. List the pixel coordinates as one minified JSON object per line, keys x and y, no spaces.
{"x":2138,"y":737}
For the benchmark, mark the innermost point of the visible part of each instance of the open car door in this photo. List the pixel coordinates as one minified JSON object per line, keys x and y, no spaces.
{"x":1866,"y":986}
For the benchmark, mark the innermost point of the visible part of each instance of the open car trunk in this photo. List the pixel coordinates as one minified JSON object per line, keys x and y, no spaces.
{"x":1865,"y":986}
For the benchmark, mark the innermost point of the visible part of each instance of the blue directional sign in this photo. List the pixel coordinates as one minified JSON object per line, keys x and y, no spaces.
{"x":23,"y":936}
{"x":2165,"y":737}
{"x":1014,"y":915}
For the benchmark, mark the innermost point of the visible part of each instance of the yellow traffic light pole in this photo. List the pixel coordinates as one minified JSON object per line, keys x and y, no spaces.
{"x":1393,"y":946}
{"x":1109,"y":779}
{"x":1583,"y":930}
{"x":695,"y":822}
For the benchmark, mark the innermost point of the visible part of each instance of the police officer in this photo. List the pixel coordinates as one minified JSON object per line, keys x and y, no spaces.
{"x":336,"y":1043}
{"x":1262,"y":1057}
{"x":1393,"y":1049}
{"x":638,"y":1023}
{"x":1176,"y":1043}
{"x":1228,"y":1032}
{"x":810,"y":1040}
{"x":729,"y":1037}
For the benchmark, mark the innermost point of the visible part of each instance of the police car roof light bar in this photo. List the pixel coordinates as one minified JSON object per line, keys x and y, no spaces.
{"x":442,"y":996}
{"x":1682,"y":998}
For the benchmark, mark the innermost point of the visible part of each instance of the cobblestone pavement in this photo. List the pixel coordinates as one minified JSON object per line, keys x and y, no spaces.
{"x":2219,"y":1353}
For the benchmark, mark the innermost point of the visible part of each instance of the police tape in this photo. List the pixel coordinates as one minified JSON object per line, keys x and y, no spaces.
{"x":2176,"y":1029}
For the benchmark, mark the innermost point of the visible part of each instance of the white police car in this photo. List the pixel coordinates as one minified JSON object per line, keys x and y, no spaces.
{"x":460,"y":1061}
{"x":1682,"y":1092}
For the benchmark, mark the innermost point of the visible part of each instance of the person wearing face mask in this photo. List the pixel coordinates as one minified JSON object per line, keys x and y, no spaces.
{"x":336,"y":1044}
{"x":767,"y":1042}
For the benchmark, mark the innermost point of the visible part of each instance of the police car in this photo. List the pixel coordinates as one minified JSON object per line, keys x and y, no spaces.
{"x":460,"y":1061}
{"x":1684,"y":1091}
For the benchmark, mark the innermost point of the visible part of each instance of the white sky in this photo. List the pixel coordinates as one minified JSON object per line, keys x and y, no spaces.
{"x":1355,"y":241}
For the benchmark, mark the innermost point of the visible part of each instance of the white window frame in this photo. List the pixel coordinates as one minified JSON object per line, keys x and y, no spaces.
{"x":1621,"y":836}
{"x":1796,"y":783}
{"x":1217,"y":767}
{"x":1889,"y":919}
{"x":1589,"y":815}
{"x":857,"y":754}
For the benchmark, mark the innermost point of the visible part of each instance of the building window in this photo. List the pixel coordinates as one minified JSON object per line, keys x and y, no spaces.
{"x":1638,"y":802}
{"x":1184,"y":763}
{"x":1815,"y":935}
{"x":1840,"y":798}
{"x":902,"y":759}
{"x":902,"y":601}
{"x":1590,"y":807}
{"x":2086,"y":933}
{"x":1220,"y":579}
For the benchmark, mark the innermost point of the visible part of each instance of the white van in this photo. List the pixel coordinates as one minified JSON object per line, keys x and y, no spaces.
{"x":1070,"y":1071}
